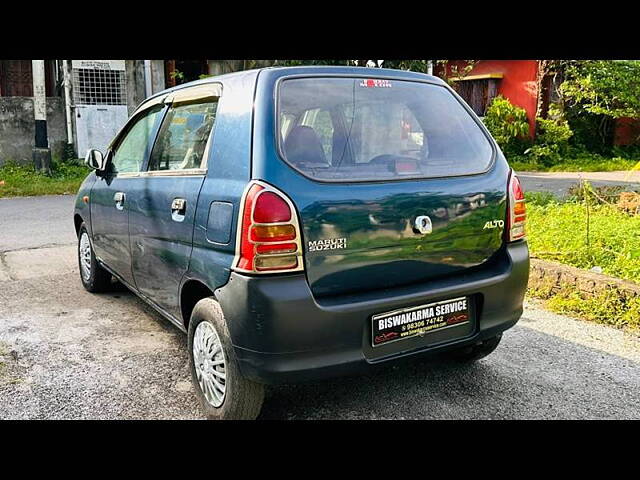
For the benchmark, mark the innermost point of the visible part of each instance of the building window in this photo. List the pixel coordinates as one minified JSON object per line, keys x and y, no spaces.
{"x":99,"y":87}
{"x":477,"y":92}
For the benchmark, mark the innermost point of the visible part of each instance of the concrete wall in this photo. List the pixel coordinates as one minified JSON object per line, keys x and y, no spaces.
{"x":17,"y":128}
{"x":135,"y":83}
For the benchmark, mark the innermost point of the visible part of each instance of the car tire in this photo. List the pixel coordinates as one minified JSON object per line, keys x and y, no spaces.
{"x":241,"y":398}
{"x":475,"y":352}
{"x":95,"y":279}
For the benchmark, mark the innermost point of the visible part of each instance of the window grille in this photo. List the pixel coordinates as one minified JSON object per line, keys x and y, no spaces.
{"x":99,"y":87}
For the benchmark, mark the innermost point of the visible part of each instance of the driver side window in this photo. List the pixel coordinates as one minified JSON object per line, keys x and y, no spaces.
{"x":132,"y":150}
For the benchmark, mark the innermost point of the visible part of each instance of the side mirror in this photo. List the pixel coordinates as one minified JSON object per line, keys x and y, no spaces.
{"x":94,"y":159}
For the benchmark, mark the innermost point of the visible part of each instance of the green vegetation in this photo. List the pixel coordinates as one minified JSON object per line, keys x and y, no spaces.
{"x":24,"y":180}
{"x":508,"y":125}
{"x":586,"y":231}
{"x":560,"y":232}
{"x":610,"y":307}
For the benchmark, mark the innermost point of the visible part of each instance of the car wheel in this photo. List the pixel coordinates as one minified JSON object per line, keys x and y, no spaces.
{"x":94,"y":278}
{"x":222,"y":391}
{"x":475,"y":352}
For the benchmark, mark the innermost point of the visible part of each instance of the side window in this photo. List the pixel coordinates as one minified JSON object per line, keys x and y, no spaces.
{"x":183,"y":136}
{"x":320,"y":121}
{"x":130,"y":153}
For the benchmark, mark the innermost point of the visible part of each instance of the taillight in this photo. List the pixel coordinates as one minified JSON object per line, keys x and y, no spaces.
{"x":517,"y":215}
{"x":269,"y":234}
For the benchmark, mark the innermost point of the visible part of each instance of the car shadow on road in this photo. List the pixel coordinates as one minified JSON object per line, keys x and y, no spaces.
{"x":531,"y":375}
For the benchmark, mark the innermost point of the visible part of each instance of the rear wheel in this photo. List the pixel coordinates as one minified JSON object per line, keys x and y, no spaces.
{"x":223,"y":392}
{"x":475,"y":352}
{"x":94,"y":278}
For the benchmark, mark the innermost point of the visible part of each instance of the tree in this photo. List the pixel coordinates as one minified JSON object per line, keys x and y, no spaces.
{"x":604,"y":87}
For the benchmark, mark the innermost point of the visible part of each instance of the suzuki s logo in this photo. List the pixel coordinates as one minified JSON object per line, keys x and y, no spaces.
{"x":422,"y":224}
{"x":494,"y":224}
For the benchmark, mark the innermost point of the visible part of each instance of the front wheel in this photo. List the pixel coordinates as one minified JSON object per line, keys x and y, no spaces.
{"x":475,"y":352}
{"x":94,"y":278}
{"x":223,"y":392}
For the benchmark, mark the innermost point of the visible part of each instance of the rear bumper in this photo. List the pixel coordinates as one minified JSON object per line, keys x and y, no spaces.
{"x":282,"y":334}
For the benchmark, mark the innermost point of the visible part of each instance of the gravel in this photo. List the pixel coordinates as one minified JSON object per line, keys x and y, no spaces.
{"x":68,"y":354}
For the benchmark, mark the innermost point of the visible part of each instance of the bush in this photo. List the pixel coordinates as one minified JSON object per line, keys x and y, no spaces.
{"x":508,"y":125}
{"x":552,"y":141}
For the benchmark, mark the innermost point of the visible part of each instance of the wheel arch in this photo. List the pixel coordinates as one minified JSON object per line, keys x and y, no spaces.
{"x":77,"y":221}
{"x":192,"y":292}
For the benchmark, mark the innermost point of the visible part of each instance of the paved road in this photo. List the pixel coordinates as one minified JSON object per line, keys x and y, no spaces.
{"x":65,"y":353}
{"x":31,"y":222}
{"x":559,"y":183}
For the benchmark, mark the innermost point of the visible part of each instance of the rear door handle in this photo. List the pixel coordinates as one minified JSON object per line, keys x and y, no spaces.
{"x":178,"y":209}
{"x":119,"y":199}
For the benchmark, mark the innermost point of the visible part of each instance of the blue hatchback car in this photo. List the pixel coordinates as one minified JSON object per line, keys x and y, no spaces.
{"x":307,"y":222}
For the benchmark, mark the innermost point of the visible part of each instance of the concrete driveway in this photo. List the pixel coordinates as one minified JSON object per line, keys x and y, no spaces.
{"x":65,"y":353}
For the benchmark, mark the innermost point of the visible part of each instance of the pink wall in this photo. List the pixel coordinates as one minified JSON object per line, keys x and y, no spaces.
{"x":518,"y":84}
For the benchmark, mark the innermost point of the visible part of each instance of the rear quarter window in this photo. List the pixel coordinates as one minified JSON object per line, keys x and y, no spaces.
{"x":354,"y":129}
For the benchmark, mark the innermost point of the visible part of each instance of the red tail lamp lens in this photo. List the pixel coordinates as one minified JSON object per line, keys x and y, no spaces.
{"x":518,"y":193}
{"x":270,"y":208}
{"x":247,"y":252}
{"x":517,"y":215}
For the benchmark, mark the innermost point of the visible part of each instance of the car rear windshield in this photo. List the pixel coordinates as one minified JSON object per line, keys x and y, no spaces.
{"x":346,"y":129}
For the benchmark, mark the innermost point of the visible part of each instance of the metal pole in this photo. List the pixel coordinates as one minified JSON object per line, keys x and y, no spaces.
{"x":67,"y":100}
{"x":41,"y":151}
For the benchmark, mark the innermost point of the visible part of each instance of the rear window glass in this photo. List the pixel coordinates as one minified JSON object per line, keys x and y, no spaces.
{"x":345,"y":129}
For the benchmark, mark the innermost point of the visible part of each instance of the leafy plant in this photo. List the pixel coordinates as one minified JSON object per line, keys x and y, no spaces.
{"x":508,"y":125}
{"x":551,"y":142}
{"x":605,"y":87}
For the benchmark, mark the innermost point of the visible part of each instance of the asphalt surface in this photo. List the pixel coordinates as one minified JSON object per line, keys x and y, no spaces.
{"x":559,"y":183}
{"x":68,"y":354}
{"x":29,"y":222}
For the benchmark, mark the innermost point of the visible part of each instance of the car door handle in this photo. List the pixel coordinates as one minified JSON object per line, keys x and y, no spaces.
{"x":119,"y":199}
{"x":178,"y":206}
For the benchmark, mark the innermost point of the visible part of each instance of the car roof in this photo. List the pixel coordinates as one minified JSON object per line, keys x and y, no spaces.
{"x":306,"y":69}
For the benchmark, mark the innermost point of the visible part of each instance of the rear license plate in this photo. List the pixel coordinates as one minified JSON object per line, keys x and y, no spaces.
{"x":410,"y":322}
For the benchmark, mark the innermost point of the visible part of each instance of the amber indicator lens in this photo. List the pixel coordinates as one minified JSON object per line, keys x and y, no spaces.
{"x":273,"y":233}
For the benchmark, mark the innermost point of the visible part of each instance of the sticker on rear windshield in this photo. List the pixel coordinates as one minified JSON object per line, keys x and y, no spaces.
{"x":375,"y":83}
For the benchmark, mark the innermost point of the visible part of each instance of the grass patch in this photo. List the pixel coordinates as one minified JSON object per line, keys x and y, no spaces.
{"x":24,"y":180}
{"x":591,"y":163}
{"x":610,"y":307}
{"x":558,"y":231}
